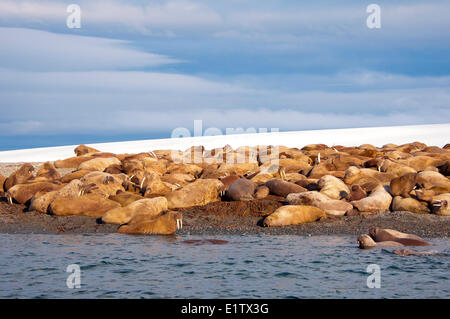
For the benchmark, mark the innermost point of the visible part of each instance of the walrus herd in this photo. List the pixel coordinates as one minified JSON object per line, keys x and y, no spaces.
{"x":146,"y":193}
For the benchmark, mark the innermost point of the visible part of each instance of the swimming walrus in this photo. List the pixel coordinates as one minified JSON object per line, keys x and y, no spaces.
{"x":162,"y":224}
{"x":366,"y":242}
{"x":379,"y":235}
{"x":294,"y":214}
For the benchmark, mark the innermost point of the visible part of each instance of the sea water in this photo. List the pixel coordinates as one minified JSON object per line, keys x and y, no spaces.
{"x":247,"y":266}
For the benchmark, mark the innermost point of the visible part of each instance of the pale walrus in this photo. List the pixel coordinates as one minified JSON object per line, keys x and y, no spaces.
{"x":333,"y":187}
{"x":162,"y":224}
{"x":379,"y":235}
{"x":88,"y":205}
{"x":294,"y":214}
{"x":366,"y":242}
{"x":330,"y":206}
{"x":379,"y":199}
{"x":410,"y":205}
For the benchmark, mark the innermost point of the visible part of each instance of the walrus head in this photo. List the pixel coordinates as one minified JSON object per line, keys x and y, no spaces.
{"x":373,"y":232}
{"x":366,"y":242}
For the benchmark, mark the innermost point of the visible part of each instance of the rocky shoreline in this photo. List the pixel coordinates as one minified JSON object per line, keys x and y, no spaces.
{"x":229,"y":218}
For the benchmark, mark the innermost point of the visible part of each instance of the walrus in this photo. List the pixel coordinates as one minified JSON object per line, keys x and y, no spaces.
{"x":152,"y":185}
{"x":125,"y":198}
{"x":430,"y":179}
{"x":105,"y":184}
{"x":241,"y":190}
{"x":74,"y":175}
{"x":191,"y":169}
{"x":403,"y":185}
{"x":356,"y":193}
{"x":237,"y":168}
{"x":42,"y":200}
{"x":178,"y":178}
{"x":396,"y":169}
{"x":445,"y":169}
{"x":354,"y":173}
{"x":84,"y":150}
{"x":440,"y":204}
{"x":227,"y":181}
{"x":20,"y":176}
{"x":379,"y":199}
{"x":159,"y":166}
{"x":92,"y":205}
{"x":282,"y":188}
{"x":114,"y":169}
{"x":406,"y":252}
{"x":311,"y":184}
{"x":409,"y":204}
{"x":333,"y":187}
{"x":99,"y":164}
{"x":146,"y":206}
{"x":198,"y":193}
{"x":379,"y":235}
{"x":22,"y":193}
{"x":47,"y":173}
{"x":74,"y":162}
{"x":419,"y":163}
{"x":2,"y":182}
{"x":329,"y":206}
{"x":294,"y":214}
{"x":163,"y":224}
{"x":262,"y":192}
{"x":366,"y":242}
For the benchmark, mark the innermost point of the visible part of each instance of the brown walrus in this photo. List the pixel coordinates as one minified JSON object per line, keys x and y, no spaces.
{"x":241,"y":190}
{"x":20,"y":176}
{"x":403,"y":185}
{"x":366,"y":242}
{"x":162,"y":224}
{"x":282,"y":188}
{"x":379,"y":235}
{"x":198,"y":193}
{"x":83,"y":150}
{"x":88,"y":205}
{"x":22,"y":193}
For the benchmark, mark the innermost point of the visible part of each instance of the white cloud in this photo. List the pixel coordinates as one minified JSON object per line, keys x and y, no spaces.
{"x":28,"y":49}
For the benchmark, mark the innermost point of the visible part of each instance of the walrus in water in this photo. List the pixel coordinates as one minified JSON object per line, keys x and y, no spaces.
{"x":366,"y":242}
{"x":406,"y":252}
{"x":380,"y":235}
{"x":162,"y":224}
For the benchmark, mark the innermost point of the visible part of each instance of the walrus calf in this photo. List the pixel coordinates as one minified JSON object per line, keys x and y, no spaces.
{"x":294,"y":214}
{"x":198,"y":193}
{"x":366,"y":242}
{"x":379,"y":199}
{"x":379,"y":235}
{"x":146,"y":206}
{"x":162,"y":224}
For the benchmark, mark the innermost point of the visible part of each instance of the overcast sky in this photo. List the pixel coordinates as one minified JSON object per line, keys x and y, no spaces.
{"x":142,"y":68}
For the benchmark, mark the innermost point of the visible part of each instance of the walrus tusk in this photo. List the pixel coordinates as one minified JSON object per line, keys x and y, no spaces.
{"x":318,"y":158}
{"x":336,"y":150}
{"x":142,"y":183}
{"x":153,"y":154}
{"x":178,"y":224}
{"x":379,"y":168}
{"x":10,"y":199}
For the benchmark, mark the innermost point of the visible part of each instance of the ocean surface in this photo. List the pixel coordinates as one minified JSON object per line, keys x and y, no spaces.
{"x":247,"y":266}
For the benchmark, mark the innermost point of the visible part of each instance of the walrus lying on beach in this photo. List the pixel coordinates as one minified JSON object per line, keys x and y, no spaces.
{"x":88,"y":205}
{"x":333,"y":187}
{"x":2,"y":182}
{"x":125,"y":198}
{"x":380,"y":235}
{"x":282,"y":188}
{"x":47,"y":173}
{"x":294,"y":214}
{"x":354,"y":173}
{"x":146,"y":206}
{"x":22,"y":193}
{"x":99,"y":164}
{"x":76,"y":161}
{"x":329,"y":206}
{"x":244,"y":190}
{"x":409,"y":204}
{"x":198,"y":193}
{"x":162,"y":224}
{"x":403,"y":185}
{"x":379,"y":199}
{"x":20,"y":176}
{"x":84,"y":150}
